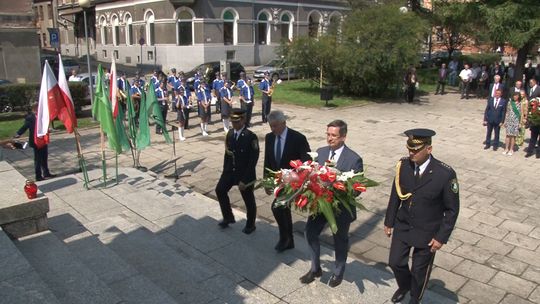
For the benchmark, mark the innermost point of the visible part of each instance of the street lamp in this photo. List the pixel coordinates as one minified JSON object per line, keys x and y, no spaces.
{"x":85,"y":4}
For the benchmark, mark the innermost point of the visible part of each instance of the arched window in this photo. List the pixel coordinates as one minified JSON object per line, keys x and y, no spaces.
{"x":314,"y":24}
{"x":129,"y":29}
{"x":334,"y":25}
{"x":229,"y":27}
{"x":103,"y":30}
{"x":115,"y":30}
{"x":185,"y":28}
{"x":286,"y":27}
{"x":150,"y":31}
{"x":263,"y":28}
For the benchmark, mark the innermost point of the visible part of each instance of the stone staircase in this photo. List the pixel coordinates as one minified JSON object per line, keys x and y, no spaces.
{"x":148,"y":240}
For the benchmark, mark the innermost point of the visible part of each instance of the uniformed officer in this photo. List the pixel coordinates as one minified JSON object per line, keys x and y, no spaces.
{"x":241,"y":156}
{"x":183,"y":112}
{"x":422,"y":212}
{"x":161,"y":96}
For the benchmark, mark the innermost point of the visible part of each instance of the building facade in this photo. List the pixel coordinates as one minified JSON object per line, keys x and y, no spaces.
{"x":185,"y":33}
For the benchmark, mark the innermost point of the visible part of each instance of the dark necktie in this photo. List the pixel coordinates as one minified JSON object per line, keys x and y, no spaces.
{"x":278,"y":150}
{"x":333,"y":155}
{"x":417,"y":173}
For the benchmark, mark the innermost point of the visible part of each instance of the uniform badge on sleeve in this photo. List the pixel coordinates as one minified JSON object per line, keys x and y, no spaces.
{"x":454,"y":185}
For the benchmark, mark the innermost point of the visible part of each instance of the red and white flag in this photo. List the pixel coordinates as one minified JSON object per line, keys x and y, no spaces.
{"x":52,"y":103}
{"x":113,"y":89}
{"x":65,"y":108}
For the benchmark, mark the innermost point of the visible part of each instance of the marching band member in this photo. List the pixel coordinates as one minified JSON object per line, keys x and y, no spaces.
{"x":246,"y":95}
{"x":171,"y":80}
{"x":217,"y":84}
{"x":239,"y":85}
{"x":155,"y":79}
{"x":183,"y":112}
{"x":186,"y":94}
{"x":123,"y":86}
{"x":203,"y":100}
{"x":161,"y":95}
{"x":265,"y":86}
{"x":136,"y":93}
{"x":226,"y":104}
{"x":139,"y":80}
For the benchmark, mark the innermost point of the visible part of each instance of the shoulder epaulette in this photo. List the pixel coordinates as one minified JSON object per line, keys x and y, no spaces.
{"x":445,"y":165}
{"x":404,"y":158}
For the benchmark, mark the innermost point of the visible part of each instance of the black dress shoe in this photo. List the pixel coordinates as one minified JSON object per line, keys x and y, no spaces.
{"x":310,"y":276}
{"x":50,"y":176}
{"x":335,"y":281}
{"x":414,"y":301}
{"x":398,"y":295}
{"x":486,"y":147}
{"x":495,"y":148}
{"x":225,"y":223}
{"x":249,"y":230}
{"x":38,"y":179}
{"x":289,"y":244}
{"x":529,"y":154}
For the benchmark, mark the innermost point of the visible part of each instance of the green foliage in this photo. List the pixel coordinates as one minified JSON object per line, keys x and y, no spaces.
{"x":376,"y":45}
{"x":487,"y":58}
{"x":20,"y":96}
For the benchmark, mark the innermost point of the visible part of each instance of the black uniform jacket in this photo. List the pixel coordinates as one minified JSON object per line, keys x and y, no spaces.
{"x":296,"y":147}
{"x":29,"y":124}
{"x":431,"y":211}
{"x":241,"y":156}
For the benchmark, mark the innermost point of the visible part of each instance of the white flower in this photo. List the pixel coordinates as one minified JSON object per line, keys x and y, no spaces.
{"x":343,"y":177}
{"x":313,"y":155}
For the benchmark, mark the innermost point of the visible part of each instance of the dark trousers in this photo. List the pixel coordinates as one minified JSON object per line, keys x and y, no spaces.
{"x":535,"y":132}
{"x":440,"y":86}
{"x":284,"y":220}
{"x":266,"y":106}
{"x":493,"y":128}
{"x":314,"y":227}
{"x":41,"y":166}
{"x":416,"y":278}
{"x":410,"y":92}
{"x":226,"y":182}
{"x":164,"y":110}
{"x":465,"y":86}
{"x":185,"y":113}
{"x":249,"y":110}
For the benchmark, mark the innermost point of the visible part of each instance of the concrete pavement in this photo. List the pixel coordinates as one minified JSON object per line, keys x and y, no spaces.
{"x":494,"y":253}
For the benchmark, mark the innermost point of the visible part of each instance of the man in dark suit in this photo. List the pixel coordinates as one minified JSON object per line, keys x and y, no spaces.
{"x":421,"y":213}
{"x":494,"y":118}
{"x":345,"y":160}
{"x":518,"y":86}
{"x":496,"y":85}
{"x":41,"y":154}
{"x":281,"y":146}
{"x":443,"y":74}
{"x":534,"y":89}
{"x":241,"y":156}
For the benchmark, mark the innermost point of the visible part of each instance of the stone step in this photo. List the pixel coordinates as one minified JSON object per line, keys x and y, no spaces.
{"x":19,"y":281}
{"x":70,"y":280}
{"x":186,"y":280}
{"x":118,"y":275}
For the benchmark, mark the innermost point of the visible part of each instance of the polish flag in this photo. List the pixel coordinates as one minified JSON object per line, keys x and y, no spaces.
{"x":65,"y":107}
{"x":113,"y":89}
{"x":53,"y":102}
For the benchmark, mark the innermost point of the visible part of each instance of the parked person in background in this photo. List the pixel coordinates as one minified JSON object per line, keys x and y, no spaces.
{"x":410,"y":81}
{"x":481,"y":90}
{"x":453,"y":72}
{"x":466,"y":76}
{"x":443,"y":75}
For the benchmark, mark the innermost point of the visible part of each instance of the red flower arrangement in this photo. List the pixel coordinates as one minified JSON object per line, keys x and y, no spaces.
{"x":310,"y":187}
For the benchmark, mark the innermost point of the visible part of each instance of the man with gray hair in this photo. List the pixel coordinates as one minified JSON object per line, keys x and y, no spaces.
{"x":282,"y":145}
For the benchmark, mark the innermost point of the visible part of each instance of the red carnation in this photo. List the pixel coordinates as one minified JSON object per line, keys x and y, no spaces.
{"x":359,"y":187}
{"x":339,"y":185}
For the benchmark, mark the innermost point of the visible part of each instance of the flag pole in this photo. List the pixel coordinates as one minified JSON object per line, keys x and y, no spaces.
{"x":80,"y":156}
{"x":103,"y":161}
{"x":116,"y":168}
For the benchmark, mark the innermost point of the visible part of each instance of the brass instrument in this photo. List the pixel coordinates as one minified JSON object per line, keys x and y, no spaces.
{"x":233,"y":85}
{"x":121,"y":96}
{"x":272,"y":88}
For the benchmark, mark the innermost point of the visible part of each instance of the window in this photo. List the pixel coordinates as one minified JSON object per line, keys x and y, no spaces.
{"x":50,"y":12}
{"x":333,"y":26}
{"x":286,"y":27}
{"x":150,"y":55}
{"x":129,"y":29}
{"x":230,"y":55}
{"x":104,"y":52}
{"x":103,"y":30}
{"x":185,"y":28}
{"x":263,"y":29}
{"x":115,"y":54}
{"x":314,"y":24}
{"x":229,"y":27}
{"x":150,"y":31}
{"x":116,"y":30}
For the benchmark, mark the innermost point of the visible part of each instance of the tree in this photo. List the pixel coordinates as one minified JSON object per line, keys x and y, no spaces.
{"x":515,"y":22}
{"x":376,"y":45}
{"x":453,"y":20}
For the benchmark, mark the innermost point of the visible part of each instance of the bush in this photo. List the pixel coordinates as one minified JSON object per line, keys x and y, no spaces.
{"x":486,"y":59}
{"x":19,"y":97}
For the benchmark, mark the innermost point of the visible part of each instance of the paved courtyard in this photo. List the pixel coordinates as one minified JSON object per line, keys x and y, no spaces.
{"x":494,"y":253}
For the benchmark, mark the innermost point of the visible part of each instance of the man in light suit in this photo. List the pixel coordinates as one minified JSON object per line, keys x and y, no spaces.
{"x":534,"y":89}
{"x":281,"y":146}
{"x":494,"y":118}
{"x":345,"y":160}
{"x":496,"y":85}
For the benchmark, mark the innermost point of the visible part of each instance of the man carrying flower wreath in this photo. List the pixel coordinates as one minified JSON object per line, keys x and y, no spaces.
{"x":345,"y":160}
{"x":421,"y":213}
